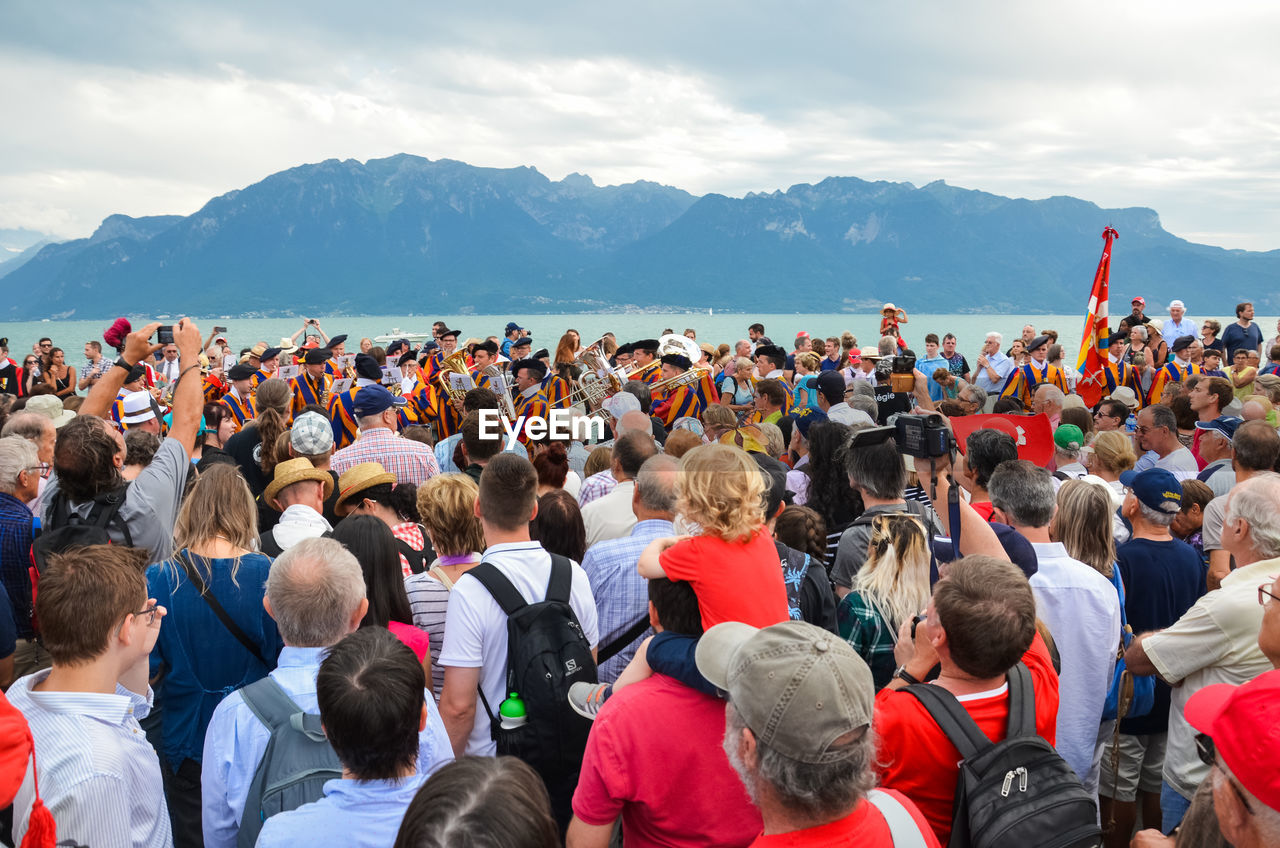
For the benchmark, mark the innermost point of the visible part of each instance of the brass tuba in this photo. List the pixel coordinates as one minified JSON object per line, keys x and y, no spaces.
{"x":454,"y":363}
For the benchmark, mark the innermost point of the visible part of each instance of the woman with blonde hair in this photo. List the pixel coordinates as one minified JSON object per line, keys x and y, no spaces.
{"x":1109,"y":455}
{"x":446,"y":506}
{"x":201,"y":657}
{"x":717,"y":420}
{"x":890,"y":588}
{"x":253,"y":448}
{"x":1075,"y":524}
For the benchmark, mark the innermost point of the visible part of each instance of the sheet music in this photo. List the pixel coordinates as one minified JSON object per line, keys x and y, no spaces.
{"x":340,"y":386}
{"x":288,"y":372}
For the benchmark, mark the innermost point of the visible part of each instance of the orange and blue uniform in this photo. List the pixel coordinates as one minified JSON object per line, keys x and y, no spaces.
{"x":682,"y":402}
{"x":241,"y":409}
{"x":1172,"y":371}
{"x":1023,"y":382}
{"x":309,"y":390}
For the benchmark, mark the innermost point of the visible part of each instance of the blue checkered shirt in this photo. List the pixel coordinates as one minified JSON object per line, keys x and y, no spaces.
{"x":622,"y":595}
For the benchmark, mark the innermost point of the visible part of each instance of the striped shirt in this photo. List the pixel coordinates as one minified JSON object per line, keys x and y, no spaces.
{"x":622,"y":595}
{"x":429,"y":603}
{"x":98,"y":774}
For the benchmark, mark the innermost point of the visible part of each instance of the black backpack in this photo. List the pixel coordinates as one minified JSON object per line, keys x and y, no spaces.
{"x":547,"y":652}
{"x":1018,"y":791}
{"x":66,"y":530}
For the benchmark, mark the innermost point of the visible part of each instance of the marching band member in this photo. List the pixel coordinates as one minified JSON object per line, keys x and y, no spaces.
{"x":682,"y":401}
{"x":644,"y":358}
{"x":1024,"y":380}
{"x":1116,"y":372}
{"x":268,"y":365}
{"x":337,"y":347}
{"x":214,"y":386}
{"x":312,"y":383}
{"x":1178,"y":368}
{"x":239,"y":400}
{"x":530,"y":402}
{"x":342,"y":406}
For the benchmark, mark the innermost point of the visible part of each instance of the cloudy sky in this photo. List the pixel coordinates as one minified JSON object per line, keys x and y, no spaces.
{"x":151,"y":108}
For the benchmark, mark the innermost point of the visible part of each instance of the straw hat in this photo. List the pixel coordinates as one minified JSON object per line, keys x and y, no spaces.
{"x":295,"y":471}
{"x":286,"y":345}
{"x":359,"y":478}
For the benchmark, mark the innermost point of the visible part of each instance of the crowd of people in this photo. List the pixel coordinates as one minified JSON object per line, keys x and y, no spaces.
{"x":291,"y":595}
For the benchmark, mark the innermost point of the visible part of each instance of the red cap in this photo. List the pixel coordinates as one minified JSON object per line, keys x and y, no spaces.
{"x":1244,"y":723}
{"x":802,"y":335}
{"x":1139,"y":299}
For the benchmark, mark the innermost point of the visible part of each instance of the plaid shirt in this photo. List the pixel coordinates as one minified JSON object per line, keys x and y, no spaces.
{"x":408,"y":533}
{"x":596,"y":486}
{"x":622,"y":595}
{"x":411,"y":462}
{"x":864,"y":627}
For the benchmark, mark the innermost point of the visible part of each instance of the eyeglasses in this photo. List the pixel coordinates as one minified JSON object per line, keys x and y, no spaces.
{"x":1265,"y":595}
{"x":153,"y":610}
{"x":43,"y":468}
{"x":1208,"y":754}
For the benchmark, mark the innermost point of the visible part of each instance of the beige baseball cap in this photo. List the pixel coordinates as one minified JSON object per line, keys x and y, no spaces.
{"x":798,"y":687}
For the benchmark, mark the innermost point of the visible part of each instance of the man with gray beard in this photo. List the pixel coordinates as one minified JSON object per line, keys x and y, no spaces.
{"x":798,"y":732}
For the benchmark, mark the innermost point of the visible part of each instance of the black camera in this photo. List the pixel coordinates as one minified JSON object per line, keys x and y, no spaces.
{"x":903,"y":363}
{"x":164,"y":334}
{"x":923,"y":436}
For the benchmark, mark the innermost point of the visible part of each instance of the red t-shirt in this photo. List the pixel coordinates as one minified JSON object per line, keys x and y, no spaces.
{"x":670,"y":780}
{"x":865,"y":827}
{"x":916,"y":758}
{"x":734,"y":581}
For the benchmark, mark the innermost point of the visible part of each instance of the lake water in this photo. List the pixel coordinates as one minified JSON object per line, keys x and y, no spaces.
{"x":970,"y":329}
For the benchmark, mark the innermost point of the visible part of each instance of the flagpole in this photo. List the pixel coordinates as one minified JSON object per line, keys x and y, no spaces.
{"x":1094,"y":340}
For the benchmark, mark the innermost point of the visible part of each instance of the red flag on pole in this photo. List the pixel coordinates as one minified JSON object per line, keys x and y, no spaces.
{"x":1094,"y":341}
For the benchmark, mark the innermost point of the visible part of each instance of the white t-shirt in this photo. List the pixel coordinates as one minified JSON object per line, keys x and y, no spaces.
{"x":1181,"y":463}
{"x":475,"y":633}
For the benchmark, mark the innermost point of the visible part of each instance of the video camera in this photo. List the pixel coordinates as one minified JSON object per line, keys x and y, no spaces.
{"x":924,"y":436}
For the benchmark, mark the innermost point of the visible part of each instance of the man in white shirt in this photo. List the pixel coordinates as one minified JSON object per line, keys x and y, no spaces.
{"x":474,"y":655}
{"x":1158,"y":431}
{"x":993,"y":367}
{"x":831,"y":393}
{"x":316,"y":594}
{"x":99,"y":777}
{"x":169,"y":367}
{"x":611,"y":516}
{"x":1079,"y":605}
{"x":1216,"y":641}
{"x":1178,"y":324}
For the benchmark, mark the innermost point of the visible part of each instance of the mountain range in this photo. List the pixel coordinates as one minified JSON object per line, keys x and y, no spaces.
{"x":419,"y":236}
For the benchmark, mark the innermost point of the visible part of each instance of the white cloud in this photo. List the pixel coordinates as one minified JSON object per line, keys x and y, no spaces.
{"x":1166,"y":105}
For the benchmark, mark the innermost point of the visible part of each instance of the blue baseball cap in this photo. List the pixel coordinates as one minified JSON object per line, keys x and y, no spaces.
{"x":512,"y":326}
{"x":1155,"y":488}
{"x":1223,"y":425}
{"x":372,"y":400}
{"x":805,"y":417}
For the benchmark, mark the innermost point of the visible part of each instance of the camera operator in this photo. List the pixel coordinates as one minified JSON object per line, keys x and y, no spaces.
{"x":90,"y":451}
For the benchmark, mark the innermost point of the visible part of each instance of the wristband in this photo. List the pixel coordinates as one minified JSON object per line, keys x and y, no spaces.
{"x":904,"y":675}
{"x":121,"y":363}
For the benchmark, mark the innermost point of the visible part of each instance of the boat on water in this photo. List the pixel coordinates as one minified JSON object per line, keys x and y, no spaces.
{"x":397,"y":333}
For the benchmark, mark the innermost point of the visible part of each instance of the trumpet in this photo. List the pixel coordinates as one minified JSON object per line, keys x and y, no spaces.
{"x":688,"y":378}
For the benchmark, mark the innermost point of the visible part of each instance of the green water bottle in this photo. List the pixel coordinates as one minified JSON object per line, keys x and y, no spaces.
{"x":512,"y":712}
